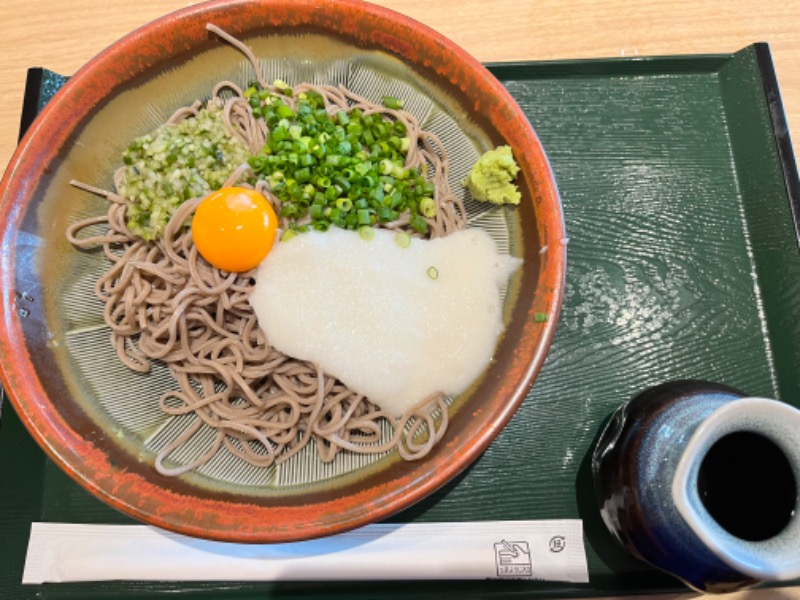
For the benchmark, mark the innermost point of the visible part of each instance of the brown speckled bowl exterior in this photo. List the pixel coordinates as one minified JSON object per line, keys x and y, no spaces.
{"x":93,"y":458}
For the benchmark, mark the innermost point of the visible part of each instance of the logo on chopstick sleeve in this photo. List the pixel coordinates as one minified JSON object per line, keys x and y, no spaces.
{"x":558,"y":543}
{"x":513,"y":559}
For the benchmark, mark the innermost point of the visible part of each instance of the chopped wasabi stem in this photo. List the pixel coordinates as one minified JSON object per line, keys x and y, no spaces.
{"x":176,"y":162}
{"x":491,"y":178}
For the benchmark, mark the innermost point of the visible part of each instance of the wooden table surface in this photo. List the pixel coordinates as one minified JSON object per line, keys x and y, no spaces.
{"x":62,"y":36}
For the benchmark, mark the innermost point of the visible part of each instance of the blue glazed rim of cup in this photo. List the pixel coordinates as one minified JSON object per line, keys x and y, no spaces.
{"x":772,"y":419}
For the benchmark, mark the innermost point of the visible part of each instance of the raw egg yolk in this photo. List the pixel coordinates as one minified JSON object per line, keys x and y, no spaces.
{"x":234,"y":228}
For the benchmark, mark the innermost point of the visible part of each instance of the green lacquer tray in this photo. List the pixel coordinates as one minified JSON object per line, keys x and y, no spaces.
{"x":680,"y":192}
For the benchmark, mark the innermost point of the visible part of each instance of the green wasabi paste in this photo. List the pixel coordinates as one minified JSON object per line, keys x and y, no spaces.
{"x":491,"y":178}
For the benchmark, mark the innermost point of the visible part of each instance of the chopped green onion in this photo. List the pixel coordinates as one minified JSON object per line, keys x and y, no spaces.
{"x":540,"y":317}
{"x":366,"y":232}
{"x":316,"y":212}
{"x":419,"y":224}
{"x":433,"y":272}
{"x":427,"y":207}
{"x":363,"y":216}
{"x":387,"y":215}
{"x":402,"y":239}
{"x":392,"y":102}
{"x":349,"y":164}
{"x":284,"y":112}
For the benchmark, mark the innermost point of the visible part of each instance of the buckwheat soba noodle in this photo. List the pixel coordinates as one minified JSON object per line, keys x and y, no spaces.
{"x":164,"y":302}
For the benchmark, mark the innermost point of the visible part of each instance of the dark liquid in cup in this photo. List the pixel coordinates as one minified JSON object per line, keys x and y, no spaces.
{"x":748,"y":486}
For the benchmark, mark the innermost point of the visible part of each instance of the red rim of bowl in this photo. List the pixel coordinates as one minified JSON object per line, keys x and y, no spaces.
{"x":221,"y":517}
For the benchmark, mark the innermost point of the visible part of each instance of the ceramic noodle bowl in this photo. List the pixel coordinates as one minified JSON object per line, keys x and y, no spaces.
{"x":102,"y":422}
{"x":702,"y":482}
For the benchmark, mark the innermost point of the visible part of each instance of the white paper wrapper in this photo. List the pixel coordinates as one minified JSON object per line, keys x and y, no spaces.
{"x":542,"y":550}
